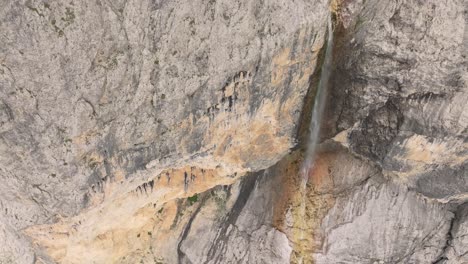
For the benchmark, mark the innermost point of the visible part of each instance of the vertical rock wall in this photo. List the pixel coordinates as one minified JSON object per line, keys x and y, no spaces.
{"x":172,"y":132}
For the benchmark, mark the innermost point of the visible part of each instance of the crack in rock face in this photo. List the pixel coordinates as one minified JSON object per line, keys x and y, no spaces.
{"x":174,"y":132}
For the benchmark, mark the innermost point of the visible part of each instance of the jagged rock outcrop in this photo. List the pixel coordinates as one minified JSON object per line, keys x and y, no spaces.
{"x":174,"y":132}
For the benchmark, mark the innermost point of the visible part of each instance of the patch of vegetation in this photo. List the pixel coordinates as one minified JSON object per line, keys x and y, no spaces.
{"x":69,"y":16}
{"x":66,"y":21}
{"x":59,"y":31}
{"x":114,"y":62}
{"x":193,"y":199}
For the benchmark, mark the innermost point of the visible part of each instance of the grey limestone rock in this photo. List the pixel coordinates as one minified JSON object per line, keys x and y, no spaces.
{"x":167,"y":132}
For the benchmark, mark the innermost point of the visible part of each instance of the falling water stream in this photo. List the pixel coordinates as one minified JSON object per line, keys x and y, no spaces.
{"x":319,"y":105}
{"x":314,"y":128}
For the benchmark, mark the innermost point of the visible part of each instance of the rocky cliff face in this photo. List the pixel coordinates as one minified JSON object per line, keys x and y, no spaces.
{"x":174,"y":132}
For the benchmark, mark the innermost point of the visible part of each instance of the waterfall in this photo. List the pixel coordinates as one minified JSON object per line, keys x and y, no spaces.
{"x":319,"y":106}
{"x":314,"y":127}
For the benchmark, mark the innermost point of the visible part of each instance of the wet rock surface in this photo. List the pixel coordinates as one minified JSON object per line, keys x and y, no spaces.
{"x":167,"y":132}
